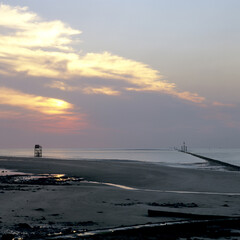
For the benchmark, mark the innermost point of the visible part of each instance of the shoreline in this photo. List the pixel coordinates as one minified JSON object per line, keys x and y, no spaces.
{"x":205,"y":165}
{"x":93,"y":205}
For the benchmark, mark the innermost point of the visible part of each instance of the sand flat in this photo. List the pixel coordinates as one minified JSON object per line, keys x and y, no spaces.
{"x":89,"y":205}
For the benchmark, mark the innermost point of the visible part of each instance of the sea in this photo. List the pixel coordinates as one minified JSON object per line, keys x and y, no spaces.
{"x":165,"y":156}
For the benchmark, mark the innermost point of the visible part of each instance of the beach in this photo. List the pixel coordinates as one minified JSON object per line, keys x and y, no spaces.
{"x":105,"y":194}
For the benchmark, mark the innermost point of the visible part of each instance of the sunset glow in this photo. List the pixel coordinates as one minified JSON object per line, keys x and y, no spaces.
{"x":31,"y":102}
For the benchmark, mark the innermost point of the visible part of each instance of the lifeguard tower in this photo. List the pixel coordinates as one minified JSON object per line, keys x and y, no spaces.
{"x":38,"y":151}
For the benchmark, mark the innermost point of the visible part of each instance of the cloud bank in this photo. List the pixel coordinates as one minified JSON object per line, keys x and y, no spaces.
{"x":38,"y":48}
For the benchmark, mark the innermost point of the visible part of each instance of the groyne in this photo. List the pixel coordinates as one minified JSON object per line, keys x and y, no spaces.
{"x":229,"y":166}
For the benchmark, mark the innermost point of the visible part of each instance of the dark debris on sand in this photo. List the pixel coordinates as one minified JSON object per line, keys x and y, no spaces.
{"x":174,"y":205}
{"x":25,"y":231}
{"x":37,"y":180}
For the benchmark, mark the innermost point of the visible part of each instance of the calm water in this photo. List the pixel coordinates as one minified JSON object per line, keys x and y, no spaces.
{"x":164,"y":156}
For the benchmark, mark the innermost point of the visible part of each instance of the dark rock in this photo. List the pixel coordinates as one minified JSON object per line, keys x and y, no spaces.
{"x":39,"y":209}
{"x":225,"y":205}
{"x":154,"y":204}
{"x":67,"y":231}
{"x":7,"y":237}
{"x":87,"y":223}
{"x":24,"y":226}
{"x":124,"y":204}
{"x":174,"y":205}
{"x":55,"y":214}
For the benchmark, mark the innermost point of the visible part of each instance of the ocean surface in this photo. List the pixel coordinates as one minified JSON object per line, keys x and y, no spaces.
{"x":169,"y":157}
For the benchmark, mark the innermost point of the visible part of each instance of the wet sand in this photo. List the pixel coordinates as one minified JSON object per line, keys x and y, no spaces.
{"x":27,"y":209}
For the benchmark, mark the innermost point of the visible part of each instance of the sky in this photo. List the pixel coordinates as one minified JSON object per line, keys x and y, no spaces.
{"x":119,"y":73}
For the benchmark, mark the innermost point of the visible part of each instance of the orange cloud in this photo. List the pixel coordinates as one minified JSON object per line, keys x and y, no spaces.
{"x":102,"y":90}
{"x":61,"y":86}
{"x":169,"y":88}
{"x":31,"y":102}
{"x":219,"y":104}
{"x":50,"y":114}
{"x":193,"y":97}
{"x":43,"y":49}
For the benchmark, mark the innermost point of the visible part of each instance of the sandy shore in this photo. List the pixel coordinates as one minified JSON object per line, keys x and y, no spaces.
{"x":86,"y":205}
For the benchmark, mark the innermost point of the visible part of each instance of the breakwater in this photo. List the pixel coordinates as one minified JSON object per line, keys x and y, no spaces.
{"x":229,"y":166}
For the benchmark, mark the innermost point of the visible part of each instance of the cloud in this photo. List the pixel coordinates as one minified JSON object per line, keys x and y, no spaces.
{"x":219,"y":104}
{"x":9,"y":14}
{"x":43,"y":49}
{"x":86,"y":90}
{"x":170,"y":89}
{"x":40,"y":104}
{"x":102,"y":90}
{"x":42,"y":113}
{"x":26,"y":29}
{"x":61,"y":86}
